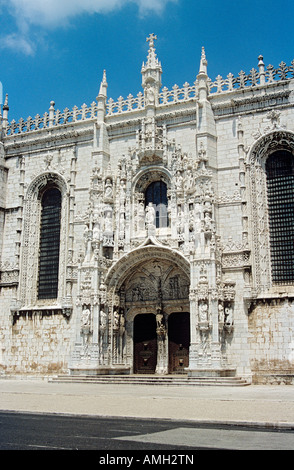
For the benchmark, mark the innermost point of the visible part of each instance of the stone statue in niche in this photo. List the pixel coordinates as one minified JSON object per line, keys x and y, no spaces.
{"x":103,"y":320}
{"x":159,"y":319}
{"x":189,"y":186}
{"x":108,"y":223}
{"x":149,"y":95}
{"x":197,"y":229}
{"x":208,"y":225}
{"x":180,"y":223}
{"x":108,"y":194}
{"x":122,"y":196}
{"x":115,"y":319}
{"x":150,"y":214}
{"x":160,"y":327}
{"x":141,"y":216}
{"x":86,"y":317}
{"x":203,"y":312}
{"x":203,"y":316}
{"x":221,"y":313}
{"x":122,"y":224}
{"x":96,"y":232}
{"x":179,"y":181}
{"x":229,"y":318}
{"x":86,"y":322}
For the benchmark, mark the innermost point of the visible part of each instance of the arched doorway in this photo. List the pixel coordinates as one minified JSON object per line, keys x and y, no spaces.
{"x":145,"y":344}
{"x":149,"y":284}
{"x":178,"y":342}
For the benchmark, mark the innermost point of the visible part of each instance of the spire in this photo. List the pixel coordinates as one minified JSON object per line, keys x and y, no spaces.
{"x":202,"y":78}
{"x":101,"y":98}
{"x":203,"y":63}
{"x":151,"y":71}
{"x":5,"y":111}
{"x":5,"y":106}
{"x":103,"y":86}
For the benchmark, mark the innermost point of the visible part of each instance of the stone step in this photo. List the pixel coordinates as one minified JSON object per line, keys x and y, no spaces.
{"x":150,"y":380}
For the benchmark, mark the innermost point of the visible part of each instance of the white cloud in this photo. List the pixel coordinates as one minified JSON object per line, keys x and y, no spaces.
{"x":56,"y":13}
{"x":17,"y":42}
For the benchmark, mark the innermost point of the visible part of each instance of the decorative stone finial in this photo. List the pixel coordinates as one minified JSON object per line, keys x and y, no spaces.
{"x":261,"y":70}
{"x":5,"y":106}
{"x":103,"y":86}
{"x":260,"y":58}
{"x":203,"y":63}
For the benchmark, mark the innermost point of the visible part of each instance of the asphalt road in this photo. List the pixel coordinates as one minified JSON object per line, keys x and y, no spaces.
{"x":29,"y":431}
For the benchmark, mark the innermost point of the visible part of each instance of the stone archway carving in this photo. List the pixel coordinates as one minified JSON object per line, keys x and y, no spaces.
{"x":145,"y":177}
{"x":153,"y":280}
{"x":147,"y":251}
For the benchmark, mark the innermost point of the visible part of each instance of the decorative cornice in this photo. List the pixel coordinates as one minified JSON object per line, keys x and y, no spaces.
{"x":45,"y":136}
{"x":234,"y":103}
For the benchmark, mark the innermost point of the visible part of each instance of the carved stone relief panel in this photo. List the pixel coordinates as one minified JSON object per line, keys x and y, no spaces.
{"x":156,"y":281}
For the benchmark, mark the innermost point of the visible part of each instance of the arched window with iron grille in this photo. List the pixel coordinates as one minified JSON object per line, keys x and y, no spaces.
{"x":49,"y":244}
{"x":280,"y":194}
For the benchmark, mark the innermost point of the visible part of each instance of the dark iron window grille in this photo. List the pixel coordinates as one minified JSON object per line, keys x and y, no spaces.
{"x":280,"y":189}
{"x":49,"y":244}
{"x":156,"y":193}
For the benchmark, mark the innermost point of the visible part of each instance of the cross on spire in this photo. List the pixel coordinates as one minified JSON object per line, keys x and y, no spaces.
{"x":151,"y":38}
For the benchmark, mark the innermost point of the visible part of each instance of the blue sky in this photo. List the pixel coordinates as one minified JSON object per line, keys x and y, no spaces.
{"x":57,"y":49}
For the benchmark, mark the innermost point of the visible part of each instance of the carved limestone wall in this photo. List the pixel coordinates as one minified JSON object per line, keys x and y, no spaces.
{"x":271,"y":341}
{"x":50,"y":343}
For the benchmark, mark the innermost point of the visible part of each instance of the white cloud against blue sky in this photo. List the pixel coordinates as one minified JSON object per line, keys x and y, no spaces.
{"x":52,"y":14}
{"x":55,"y":12}
{"x":57,"y":49}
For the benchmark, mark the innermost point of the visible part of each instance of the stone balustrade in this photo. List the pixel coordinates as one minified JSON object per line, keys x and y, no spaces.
{"x":188,"y":92}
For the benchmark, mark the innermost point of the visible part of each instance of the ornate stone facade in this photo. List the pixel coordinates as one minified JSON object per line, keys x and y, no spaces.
{"x":165,"y":239}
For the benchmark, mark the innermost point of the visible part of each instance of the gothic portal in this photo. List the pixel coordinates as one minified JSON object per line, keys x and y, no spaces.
{"x":151,"y":286}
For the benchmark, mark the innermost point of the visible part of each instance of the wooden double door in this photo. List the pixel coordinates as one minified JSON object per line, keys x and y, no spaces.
{"x":178,"y":342}
{"x":145,"y":343}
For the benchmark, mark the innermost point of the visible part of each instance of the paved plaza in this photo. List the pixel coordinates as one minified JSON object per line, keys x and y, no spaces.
{"x":269,"y":406}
